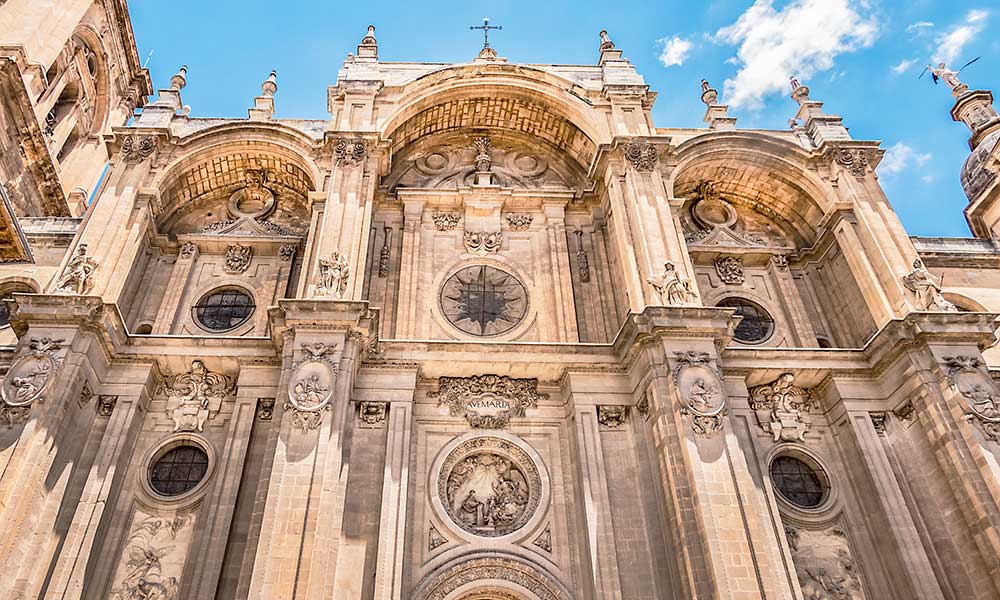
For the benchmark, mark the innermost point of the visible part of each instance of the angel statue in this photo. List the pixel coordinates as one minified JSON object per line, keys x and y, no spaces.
{"x":671,"y":288}
{"x":950,"y":77}
{"x":77,"y":278}
{"x":333,"y":274}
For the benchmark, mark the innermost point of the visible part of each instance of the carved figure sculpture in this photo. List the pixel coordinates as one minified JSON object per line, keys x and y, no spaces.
{"x":333,"y":275}
{"x":922,"y":283}
{"x":671,"y":288}
{"x":782,"y":408}
{"x":77,"y":278}
{"x":945,"y":74}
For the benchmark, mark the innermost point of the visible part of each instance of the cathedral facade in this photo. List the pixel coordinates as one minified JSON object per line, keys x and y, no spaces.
{"x":486,"y":332}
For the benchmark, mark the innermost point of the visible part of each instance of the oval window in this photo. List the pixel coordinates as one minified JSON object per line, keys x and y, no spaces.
{"x":798,"y":482}
{"x":178,"y":470}
{"x":756,"y":325}
{"x":224,"y":309}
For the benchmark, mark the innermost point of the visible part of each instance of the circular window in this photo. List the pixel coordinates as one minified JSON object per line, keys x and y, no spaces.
{"x":178,"y":470}
{"x":483,"y":300}
{"x":756,"y":326}
{"x":224,"y":309}
{"x":798,"y":482}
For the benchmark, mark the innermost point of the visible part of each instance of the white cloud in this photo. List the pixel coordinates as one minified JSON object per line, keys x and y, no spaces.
{"x":900,"y":157}
{"x":674,"y":51}
{"x":801,"y":39}
{"x":952,"y":42}
{"x":918,"y":26}
{"x":904,"y":66}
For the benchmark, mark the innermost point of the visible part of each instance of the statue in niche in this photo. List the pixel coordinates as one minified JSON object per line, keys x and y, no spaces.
{"x":922,"y":283}
{"x":333,"y":275}
{"x":672,"y":289}
{"x":78,"y":276}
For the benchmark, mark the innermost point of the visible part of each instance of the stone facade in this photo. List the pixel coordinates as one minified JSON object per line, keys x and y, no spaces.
{"x":486,"y":332}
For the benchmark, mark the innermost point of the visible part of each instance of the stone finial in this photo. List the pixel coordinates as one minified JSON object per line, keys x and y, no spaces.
{"x":800,"y":93}
{"x":178,"y":81}
{"x":606,"y":43}
{"x":368,"y":48}
{"x":716,"y":116}
{"x":270,"y":85}
{"x":821,"y":127}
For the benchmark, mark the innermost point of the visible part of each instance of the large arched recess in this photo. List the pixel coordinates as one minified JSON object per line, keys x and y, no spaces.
{"x":503,"y":96}
{"x":214,"y":160}
{"x":88,"y":37}
{"x":760,"y":173}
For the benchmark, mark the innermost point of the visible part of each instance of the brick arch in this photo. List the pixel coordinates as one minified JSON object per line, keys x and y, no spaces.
{"x":758,"y":173}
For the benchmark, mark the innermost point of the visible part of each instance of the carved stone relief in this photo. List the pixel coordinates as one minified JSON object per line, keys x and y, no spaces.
{"x":106,"y":405}
{"x":879,"y":419}
{"x":482,"y":242}
{"x":856,"y":160}
{"x":483,"y":300}
{"x":701,"y":390}
{"x":968,"y":377}
{"x":311,"y":386}
{"x":673,"y":290}
{"x":385,"y":253}
{"x":824,"y":564}
{"x":78,"y":277}
{"x":782,"y":408}
{"x":238,"y":258}
{"x":641,"y":155}
{"x":86,"y":395}
{"x":519,"y":222}
{"x":28,"y":380}
{"x":544,"y":540}
{"x":582,"y":263}
{"x":487,"y":401}
{"x":780,"y":262}
{"x":434,"y":538}
{"x":612,"y":416}
{"x":489,"y":486}
{"x":136,"y":149}
{"x":265,"y":409}
{"x":446,"y":221}
{"x":187,"y":250}
{"x":286,"y":252}
{"x":442,"y":585}
{"x":730,"y":269}
{"x":153,"y":558}
{"x":333,"y":275}
{"x":373,"y":413}
{"x":484,"y":162}
{"x":349,"y":153}
{"x":716,"y":222}
{"x":926,"y":288}
{"x":196,"y":396}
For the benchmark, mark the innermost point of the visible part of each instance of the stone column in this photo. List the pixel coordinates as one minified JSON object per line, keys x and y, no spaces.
{"x":180,"y":275}
{"x":111,"y":463}
{"x":802,"y":328}
{"x":409,"y":262}
{"x":562,"y":283}
{"x":863,"y":272}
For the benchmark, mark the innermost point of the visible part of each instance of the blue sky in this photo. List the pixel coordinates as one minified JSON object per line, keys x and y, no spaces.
{"x":860,"y":57}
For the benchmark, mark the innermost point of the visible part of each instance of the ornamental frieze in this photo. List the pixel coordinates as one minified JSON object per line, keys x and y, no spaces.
{"x":487,"y":401}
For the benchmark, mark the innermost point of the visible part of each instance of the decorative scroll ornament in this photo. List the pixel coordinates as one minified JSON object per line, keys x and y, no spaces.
{"x":136,"y":149}
{"x":196,"y":396}
{"x":480,"y":242}
{"x":701,"y":390}
{"x":782,"y":408}
{"x":310,"y":389}
{"x":612,"y":416}
{"x":385,"y":253}
{"x":148,"y":568}
{"x":968,"y":377}
{"x":489,"y":486}
{"x":286,"y":252}
{"x":673,"y":290}
{"x":925,"y":286}
{"x":583,"y":264}
{"x":484,"y":162}
{"x":730,"y":269}
{"x":238,"y":258}
{"x":519,"y":222}
{"x":642,"y":155}
{"x":78,"y":277}
{"x":487,"y":401}
{"x":187,"y":250}
{"x":333,"y":275}
{"x":446,"y":221}
{"x":373,"y":413}
{"x":28,"y":380}
{"x":824,"y":564}
{"x":349,"y":153}
{"x":854,"y":160}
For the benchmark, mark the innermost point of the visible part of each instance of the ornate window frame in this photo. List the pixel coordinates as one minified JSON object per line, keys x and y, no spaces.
{"x":156,"y":451}
{"x":777,"y":326}
{"x":827,"y":506}
{"x":217,"y":286}
{"x":530,"y":311}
